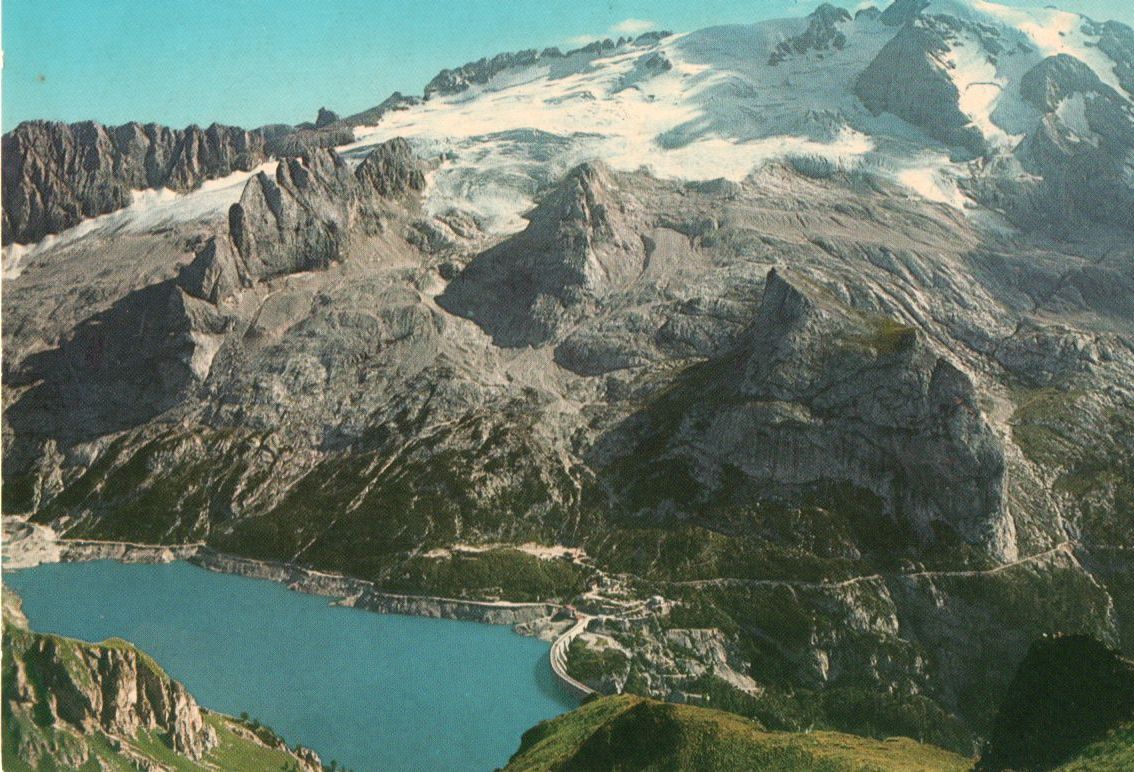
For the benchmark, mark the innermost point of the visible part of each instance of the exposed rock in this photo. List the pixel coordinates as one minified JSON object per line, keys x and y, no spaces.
{"x":902,"y":12}
{"x":326,"y":117}
{"x":1116,"y":40}
{"x":62,"y":695}
{"x":112,"y":688}
{"x":480,"y":72}
{"x":822,"y":34}
{"x":806,"y":357}
{"x":910,"y":79}
{"x":1054,"y":79}
{"x":301,"y":219}
{"x":292,"y":141}
{"x":56,"y":174}
{"x":577,"y":246}
{"x":1074,"y":166}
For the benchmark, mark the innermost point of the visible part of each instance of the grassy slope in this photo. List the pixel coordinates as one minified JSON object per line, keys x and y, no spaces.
{"x":630,"y":733}
{"x":1115,"y":751}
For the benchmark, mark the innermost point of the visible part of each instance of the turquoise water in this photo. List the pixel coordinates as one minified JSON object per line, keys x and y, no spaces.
{"x":372,"y":691}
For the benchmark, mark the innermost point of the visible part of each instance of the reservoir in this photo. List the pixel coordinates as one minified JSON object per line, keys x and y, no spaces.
{"x":370,"y":691}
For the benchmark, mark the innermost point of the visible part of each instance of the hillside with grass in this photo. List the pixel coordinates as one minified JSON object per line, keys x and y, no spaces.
{"x":634,"y":733}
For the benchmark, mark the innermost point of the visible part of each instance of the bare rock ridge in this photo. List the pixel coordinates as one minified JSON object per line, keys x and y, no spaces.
{"x":153,"y":346}
{"x":822,"y":34}
{"x":56,"y":174}
{"x":1081,"y":148}
{"x":299,"y":219}
{"x":456,"y":80}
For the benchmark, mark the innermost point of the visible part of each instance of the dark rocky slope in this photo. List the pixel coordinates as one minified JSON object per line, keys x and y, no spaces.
{"x":1068,"y":693}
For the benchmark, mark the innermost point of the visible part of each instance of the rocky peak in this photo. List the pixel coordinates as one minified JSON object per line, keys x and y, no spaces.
{"x":580,"y":243}
{"x":902,"y":12}
{"x":325,"y":118}
{"x":904,"y":407}
{"x":391,"y":170}
{"x":910,"y":79}
{"x":1077,"y":155}
{"x":302,"y":218}
{"x":822,"y":34}
{"x":1054,"y":79}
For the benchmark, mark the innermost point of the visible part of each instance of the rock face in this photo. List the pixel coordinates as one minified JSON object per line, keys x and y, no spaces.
{"x":910,"y":78}
{"x":480,"y":72}
{"x":1116,"y":40}
{"x":883,"y":468}
{"x":55,"y":174}
{"x":299,"y":220}
{"x":822,"y":34}
{"x":325,"y":118}
{"x":908,"y":430}
{"x":111,"y":689}
{"x":577,"y":246}
{"x":1080,"y":151}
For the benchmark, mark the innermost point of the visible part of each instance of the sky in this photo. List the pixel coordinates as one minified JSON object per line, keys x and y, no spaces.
{"x":253,"y":62}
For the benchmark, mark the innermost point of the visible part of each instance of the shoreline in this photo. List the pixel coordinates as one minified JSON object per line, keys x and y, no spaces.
{"x":27,"y":545}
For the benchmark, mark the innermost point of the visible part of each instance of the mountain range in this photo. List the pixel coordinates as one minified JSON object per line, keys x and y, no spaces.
{"x":814,"y":338}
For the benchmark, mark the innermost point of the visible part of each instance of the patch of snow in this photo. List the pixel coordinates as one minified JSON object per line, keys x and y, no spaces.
{"x":13,"y":260}
{"x":1055,"y":32}
{"x":1073,"y":112}
{"x":931,"y":178}
{"x":721,"y":111}
{"x":980,"y":87}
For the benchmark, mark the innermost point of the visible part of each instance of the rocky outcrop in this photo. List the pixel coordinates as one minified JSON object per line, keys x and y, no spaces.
{"x":325,"y":118}
{"x":56,"y":174}
{"x":822,"y":34}
{"x":820,"y":396}
{"x":1116,"y":40}
{"x":579,"y":244}
{"x":302,"y":218}
{"x":454,"y":81}
{"x":71,"y":704}
{"x":1073,"y":167}
{"x":480,"y":72}
{"x":902,"y":12}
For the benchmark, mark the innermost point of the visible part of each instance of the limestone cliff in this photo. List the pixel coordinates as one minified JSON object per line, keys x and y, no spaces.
{"x":56,"y":174}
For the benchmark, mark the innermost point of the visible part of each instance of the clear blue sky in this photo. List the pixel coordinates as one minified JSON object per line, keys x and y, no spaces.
{"x":252,"y":62}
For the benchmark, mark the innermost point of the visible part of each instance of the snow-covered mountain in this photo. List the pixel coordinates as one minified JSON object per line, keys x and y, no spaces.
{"x":913,"y":94}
